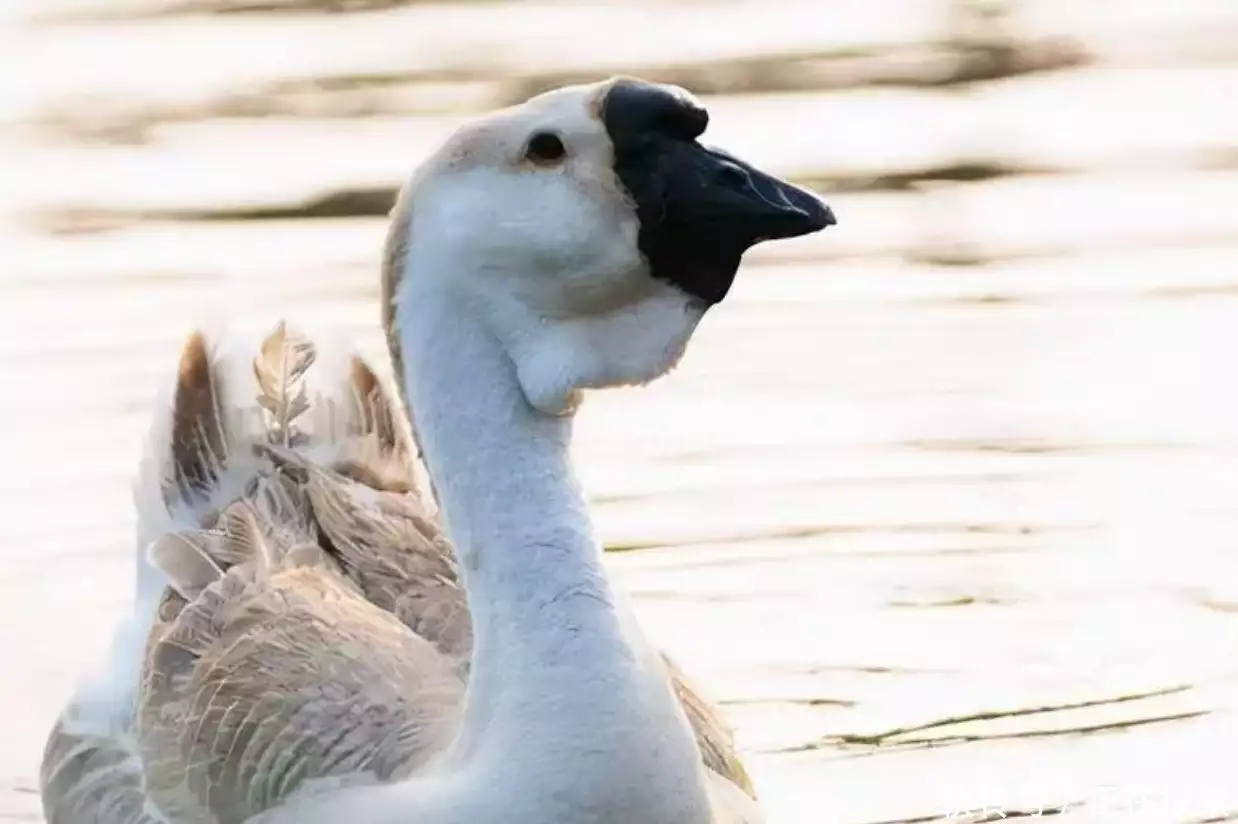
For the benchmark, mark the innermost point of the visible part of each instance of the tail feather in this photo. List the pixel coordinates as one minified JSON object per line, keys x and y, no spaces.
{"x":375,"y":411}
{"x":198,"y":444}
{"x":226,"y":457}
{"x":206,"y":450}
{"x":280,"y":368}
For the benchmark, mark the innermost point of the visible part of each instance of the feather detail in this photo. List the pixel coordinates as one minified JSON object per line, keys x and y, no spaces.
{"x":391,"y":546}
{"x":185,"y":559}
{"x":374,"y":411}
{"x":197,"y":442}
{"x":280,"y":368}
{"x":87,"y":778}
{"x":278,"y":672}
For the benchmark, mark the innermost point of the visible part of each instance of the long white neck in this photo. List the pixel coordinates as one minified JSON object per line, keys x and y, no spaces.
{"x":541,"y":604}
{"x":565,"y":697}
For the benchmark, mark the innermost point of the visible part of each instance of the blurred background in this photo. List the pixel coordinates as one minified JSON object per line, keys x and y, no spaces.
{"x":943,"y":504}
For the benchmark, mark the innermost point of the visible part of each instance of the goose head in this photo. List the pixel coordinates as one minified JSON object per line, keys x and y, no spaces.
{"x":589,"y":229}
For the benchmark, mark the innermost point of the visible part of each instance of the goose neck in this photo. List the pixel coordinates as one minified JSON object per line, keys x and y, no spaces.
{"x":567,"y":704}
{"x":544,"y":612}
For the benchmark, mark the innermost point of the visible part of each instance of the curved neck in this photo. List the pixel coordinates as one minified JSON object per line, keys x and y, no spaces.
{"x":565,"y":699}
{"x":537,"y":590}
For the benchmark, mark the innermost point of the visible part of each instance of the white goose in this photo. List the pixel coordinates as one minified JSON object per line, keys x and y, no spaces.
{"x":309,"y":661}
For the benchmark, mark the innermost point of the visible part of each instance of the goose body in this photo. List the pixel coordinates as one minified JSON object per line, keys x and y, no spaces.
{"x":316,"y":636}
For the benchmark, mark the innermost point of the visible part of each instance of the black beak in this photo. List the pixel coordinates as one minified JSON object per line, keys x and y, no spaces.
{"x":700,"y":208}
{"x":774,"y":208}
{"x":708,"y":186}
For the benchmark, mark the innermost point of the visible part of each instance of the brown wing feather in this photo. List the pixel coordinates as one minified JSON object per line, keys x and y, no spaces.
{"x":91,"y":779}
{"x":393,"y":548}
{"x":279,"y":672}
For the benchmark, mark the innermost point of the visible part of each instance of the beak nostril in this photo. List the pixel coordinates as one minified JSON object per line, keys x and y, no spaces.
{"x":732,"y":177}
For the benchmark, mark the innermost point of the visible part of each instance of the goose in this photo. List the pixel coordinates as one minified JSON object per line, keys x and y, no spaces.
{"x":315,"y":637}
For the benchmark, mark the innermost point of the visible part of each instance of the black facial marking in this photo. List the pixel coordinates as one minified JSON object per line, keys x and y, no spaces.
{"x":633,"y":109}
{"x":700,"y":209}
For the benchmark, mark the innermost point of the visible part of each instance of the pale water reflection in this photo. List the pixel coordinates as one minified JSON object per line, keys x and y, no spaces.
{"x":944,"y":504}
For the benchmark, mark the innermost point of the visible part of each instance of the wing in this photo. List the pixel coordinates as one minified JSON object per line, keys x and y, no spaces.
{"x":277,"y":672}
{"x":390,"y":544}
{"x":91,"y":778}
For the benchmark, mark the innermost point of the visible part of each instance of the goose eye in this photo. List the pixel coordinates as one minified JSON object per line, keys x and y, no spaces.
{"x":545,"y":147}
